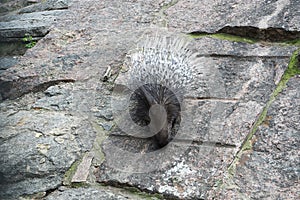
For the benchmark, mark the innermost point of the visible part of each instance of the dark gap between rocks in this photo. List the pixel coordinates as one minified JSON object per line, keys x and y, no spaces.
{"x":15,"y":37}
{"x":244,"y":57}
{"x":14,"y":42}
{"x":13,"y":48}
{"x":17,"y":88}
{"x":50,"y":191}
{"x":137,"y":189}
{"x":177,"y":141}
{"x":12,"y":5}
{"x":269,"y":35}
{"x":10,"y":53}
{"x":212,"y":99}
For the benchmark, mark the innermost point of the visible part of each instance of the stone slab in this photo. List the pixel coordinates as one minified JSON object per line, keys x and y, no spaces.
{"x":83,"y":168}
{"x":37,"y":147}
{"x":14,"y":28}
{"x":94,"y":35}
{"x":271,"y":169}
{"x":212,"y":16}
{"x":95,"y":193}
{"x":7,"y":62}
{"x":230,"y":79}
{"x":233,"y":79}
{"x":185,"y":172}
{"x":39,"y":6}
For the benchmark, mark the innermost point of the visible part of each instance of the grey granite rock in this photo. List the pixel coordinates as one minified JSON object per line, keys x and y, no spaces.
{"x":6,"y":62}
{"x":234,"y":81}
{"x":37,"y":147}
{"x":85,"y":193}
{"x":53,"y":101}
{"x":267,"y":20}
{"x":7,"y":6}
{"x":271,"y":170}
{"x":35,"y":24}
{"x":94,"y":193}
{"x":180,"y":171}
{"x":46,"y":5}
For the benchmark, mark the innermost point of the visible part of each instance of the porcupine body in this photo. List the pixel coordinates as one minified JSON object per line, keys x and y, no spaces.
{"x":160,"y":73}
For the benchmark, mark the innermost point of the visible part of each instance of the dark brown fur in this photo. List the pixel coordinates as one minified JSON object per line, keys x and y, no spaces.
{"x":148,"y":95}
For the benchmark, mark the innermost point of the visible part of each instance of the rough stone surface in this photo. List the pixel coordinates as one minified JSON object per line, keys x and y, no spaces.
{"x":276,"y":17}
{"x":56,"y":106}
{"x":46,"y":5}
{"x":237,"y":78}
{"x":82,"y":173}
{"x":271,"y":170}
{"x":30,"y":20}
{"x":11,"y":5}
{"x":37,"y":147}
{"x":35,"y":24}
{"x":85,"y":193}
{"x":180,"y":171}
{"x":7,"y":62}
{"x":93,"y":193}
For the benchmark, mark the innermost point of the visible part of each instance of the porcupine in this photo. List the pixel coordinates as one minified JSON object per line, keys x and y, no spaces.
{"x":161,"y":70}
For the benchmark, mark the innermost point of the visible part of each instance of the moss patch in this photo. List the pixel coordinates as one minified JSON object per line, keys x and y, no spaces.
{"x":99,"y":156}
{"x":70,"y":173}
{"x":293,"y":68}
{"x":293,"y":42}
{"x":141,"y":194}
{"x":223,"y":36}
{"x":129,"y":192}
{"x":39,"y":195}
{"x":291,"y":71}
{"x":161,"y":14}
{"x":79,"y":185}
{"x":234,"y":38}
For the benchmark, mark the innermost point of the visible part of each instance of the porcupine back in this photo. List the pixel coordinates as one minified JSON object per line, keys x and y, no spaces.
{"x":160,"y":73}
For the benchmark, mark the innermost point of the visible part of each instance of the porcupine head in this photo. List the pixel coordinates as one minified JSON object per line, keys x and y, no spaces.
{"x":160,"y":72}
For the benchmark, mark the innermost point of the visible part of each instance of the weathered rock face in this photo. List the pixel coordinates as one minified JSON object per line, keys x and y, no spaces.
{"x":9,"y":6}
{"x":267,"y":20}
{"x":236,"y":78}
{"x":36,"y":24}
{"x":56,"y":115}
{"x":30,"y":19}
{"x":38,"y":147}
{"x":92,"y":193}
{"x":34,"y":20}
{"x":271,"y":169}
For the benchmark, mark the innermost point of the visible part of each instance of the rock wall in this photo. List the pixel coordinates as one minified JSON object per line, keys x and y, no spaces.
{"x":239,"y":135}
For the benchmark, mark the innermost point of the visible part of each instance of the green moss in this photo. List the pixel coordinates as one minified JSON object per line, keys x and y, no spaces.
{"x":143,"y":195}
{"x":99,"y":156}
{"x":161,"y":14}
{"x":29,"y":41}
{"x":39,"y":195}
{"x":293,"y":42}
{"x":223,"y":36}
{"x":292,"y":70}
{"x":70,"y":173}
{"x":79,"y":185}
{"x":234,"y":38}
{"x":132,"y":192}
{"x":293,"y":67}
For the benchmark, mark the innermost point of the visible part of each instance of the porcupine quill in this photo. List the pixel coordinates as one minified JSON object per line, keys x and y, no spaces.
{"x":160,"y":71}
